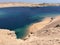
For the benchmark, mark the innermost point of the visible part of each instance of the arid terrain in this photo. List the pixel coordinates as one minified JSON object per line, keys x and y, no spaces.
{"x":18,"y":4}
{"x":46,"y":32}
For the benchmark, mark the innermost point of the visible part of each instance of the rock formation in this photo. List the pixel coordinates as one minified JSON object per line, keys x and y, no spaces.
{"x":8,"y":38}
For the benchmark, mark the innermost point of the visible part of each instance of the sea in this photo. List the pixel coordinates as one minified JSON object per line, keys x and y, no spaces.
{"x":19,"y":19}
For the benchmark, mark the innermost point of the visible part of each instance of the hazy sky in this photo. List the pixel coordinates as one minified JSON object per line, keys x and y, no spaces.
{"x":32,"y":1}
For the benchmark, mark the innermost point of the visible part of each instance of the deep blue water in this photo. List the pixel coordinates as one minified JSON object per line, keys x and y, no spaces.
{"x":19,"y":18}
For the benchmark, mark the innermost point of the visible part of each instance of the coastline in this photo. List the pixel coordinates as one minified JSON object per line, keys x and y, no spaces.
{"x":20,"y":4}
{"x":45,"y":32}
{"x":39,"y":25}
{"x":45,"y":36}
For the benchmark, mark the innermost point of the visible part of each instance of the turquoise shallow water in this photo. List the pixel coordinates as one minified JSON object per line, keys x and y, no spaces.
{"x":20,"y":18}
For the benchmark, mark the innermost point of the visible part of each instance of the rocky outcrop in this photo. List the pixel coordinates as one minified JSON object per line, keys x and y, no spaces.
{"x":8,"y":38}
{"x":49,"y":37}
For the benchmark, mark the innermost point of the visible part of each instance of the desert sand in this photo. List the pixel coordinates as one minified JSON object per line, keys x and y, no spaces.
{"x":37,"y":26}
{"x":20,"y":4}
{"x":48,"y":34}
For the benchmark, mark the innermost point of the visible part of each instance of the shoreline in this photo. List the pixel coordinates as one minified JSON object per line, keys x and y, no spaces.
{"x":39,"y":25}
{"x":20,"y":4}
{"x":41,"y":37}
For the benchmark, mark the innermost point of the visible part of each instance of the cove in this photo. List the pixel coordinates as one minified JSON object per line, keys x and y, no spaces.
{"x":20,"y":18}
